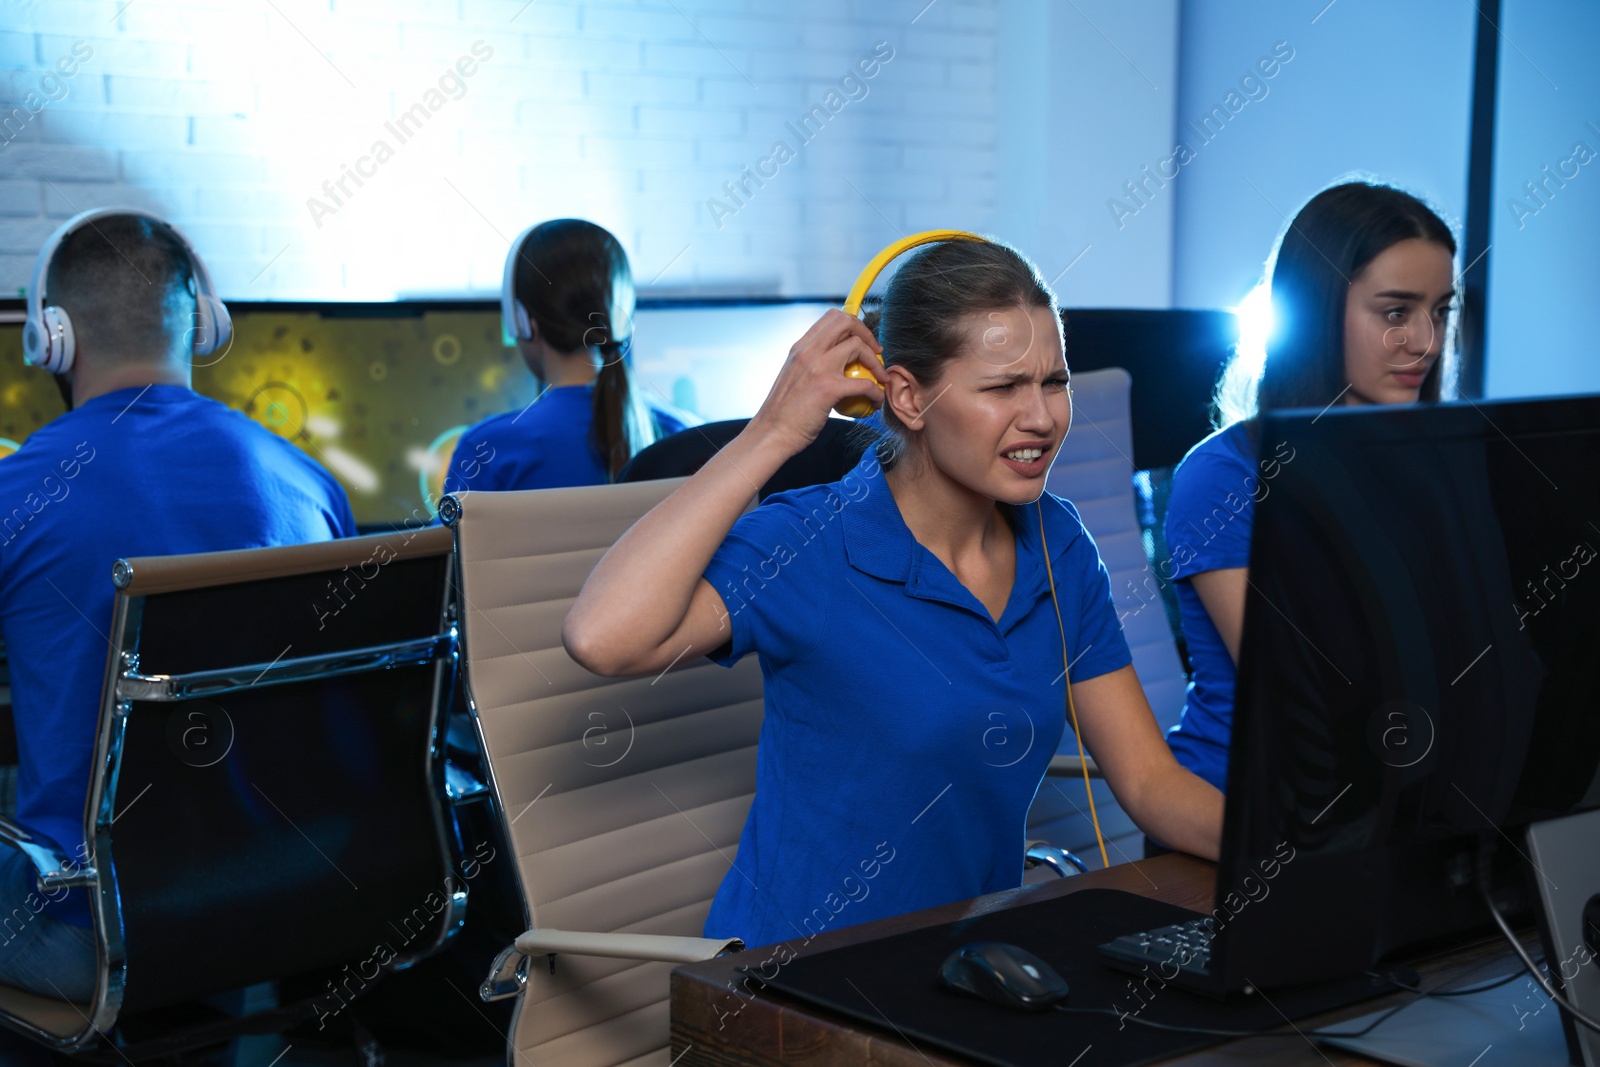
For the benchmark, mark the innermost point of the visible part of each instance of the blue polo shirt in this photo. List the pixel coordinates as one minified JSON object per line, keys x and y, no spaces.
{"x":151,"y":472}
{"x":906,"y":731}
{"x":1214,"y":494}
{"x":545,"y":445}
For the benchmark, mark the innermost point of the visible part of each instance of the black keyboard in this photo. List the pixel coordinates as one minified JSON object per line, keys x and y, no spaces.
{"x":1178,"y":954}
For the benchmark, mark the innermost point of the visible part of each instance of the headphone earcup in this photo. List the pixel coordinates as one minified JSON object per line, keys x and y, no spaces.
{"x":857,"y":407}
{"x":53,"y":346}
{"x":519,"y":316}
{"x":213,"y":326}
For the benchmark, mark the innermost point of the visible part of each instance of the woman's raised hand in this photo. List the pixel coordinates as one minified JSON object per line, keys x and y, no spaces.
{"x":813,"y":380}
{"x":646,"y":604}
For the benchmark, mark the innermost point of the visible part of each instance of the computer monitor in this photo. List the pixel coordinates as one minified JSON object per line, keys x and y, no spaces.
{"x":380,"y":393}
{"x":1419,"y":676}
{"x":1175,"y":357}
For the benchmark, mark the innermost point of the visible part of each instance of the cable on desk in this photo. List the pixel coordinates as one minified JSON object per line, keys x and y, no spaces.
{"x":1485,"y":855}
{"x":1466,"y":991}
{"x":1278,"y":1031}
{"x":1538,"y":976}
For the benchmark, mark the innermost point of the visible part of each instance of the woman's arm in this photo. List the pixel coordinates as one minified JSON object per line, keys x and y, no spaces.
{"x":646,"y":606}
{"x":1165,"y":800}
{"x":1222,"y":594}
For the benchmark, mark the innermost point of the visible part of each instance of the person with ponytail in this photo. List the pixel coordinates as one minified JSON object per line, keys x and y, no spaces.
{"x":1362,"y":283}
{"x":920,"y":623}
{"x":568,"y":301}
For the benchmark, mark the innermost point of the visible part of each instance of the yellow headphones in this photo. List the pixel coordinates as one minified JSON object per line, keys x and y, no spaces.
{"x":858,"y":407}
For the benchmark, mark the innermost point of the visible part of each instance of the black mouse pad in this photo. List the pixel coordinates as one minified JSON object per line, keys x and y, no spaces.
{"x":894,"y":985}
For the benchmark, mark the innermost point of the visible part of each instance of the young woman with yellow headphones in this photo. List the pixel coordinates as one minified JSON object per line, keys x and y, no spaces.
{"x":913,"y":619}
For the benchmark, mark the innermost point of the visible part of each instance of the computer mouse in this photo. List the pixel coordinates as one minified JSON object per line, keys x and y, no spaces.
{"x":1004,"y":974}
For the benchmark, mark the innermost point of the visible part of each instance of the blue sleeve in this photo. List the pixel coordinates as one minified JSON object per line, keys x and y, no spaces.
{"x":1211,"y":508}
{"x":1100,"y":647}
{"x":773,"y":584}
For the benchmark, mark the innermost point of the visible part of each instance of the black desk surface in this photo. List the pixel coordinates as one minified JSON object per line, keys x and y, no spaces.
{"x":712,"y":1025}
{"x":893,"y":983}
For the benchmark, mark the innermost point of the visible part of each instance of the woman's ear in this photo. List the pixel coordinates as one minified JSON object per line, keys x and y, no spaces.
{"x":904,"y":395}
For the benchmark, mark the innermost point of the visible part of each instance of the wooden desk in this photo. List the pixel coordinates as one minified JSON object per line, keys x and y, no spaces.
{"x":773,"y":1029}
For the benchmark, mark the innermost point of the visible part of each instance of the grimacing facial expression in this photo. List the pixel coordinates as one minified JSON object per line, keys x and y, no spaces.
{"x":995,"y":417}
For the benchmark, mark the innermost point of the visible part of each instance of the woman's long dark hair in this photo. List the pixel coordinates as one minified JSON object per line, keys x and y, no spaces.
{"x":575,"y":281}
{"x":919,"y":320}
{"x":1331,"y":240}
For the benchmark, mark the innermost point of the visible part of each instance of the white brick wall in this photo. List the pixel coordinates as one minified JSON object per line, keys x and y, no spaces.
{"x":227,"y":117}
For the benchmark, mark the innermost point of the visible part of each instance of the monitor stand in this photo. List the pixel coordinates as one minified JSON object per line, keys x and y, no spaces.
{"x":1513,"y":1024}
{"x":1516,"y":1020}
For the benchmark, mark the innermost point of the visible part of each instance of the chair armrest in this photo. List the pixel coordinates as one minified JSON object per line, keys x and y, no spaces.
{"x":509,"y":972}
{"x":56,"y":870}
{"x":667,"y":949}
{"x":1070,"y":767}
{"x":1059,"y":860}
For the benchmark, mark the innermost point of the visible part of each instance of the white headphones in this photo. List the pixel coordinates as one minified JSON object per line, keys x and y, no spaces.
{"x":513,"y":316}
{"x":47,"y":337}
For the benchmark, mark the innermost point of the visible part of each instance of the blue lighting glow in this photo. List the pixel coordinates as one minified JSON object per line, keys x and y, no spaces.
{"x":1255,"y":326}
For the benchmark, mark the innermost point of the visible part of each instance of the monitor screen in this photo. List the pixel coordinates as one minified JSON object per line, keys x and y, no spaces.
{"x":380,"y":393}
{"x":1420,"y":667}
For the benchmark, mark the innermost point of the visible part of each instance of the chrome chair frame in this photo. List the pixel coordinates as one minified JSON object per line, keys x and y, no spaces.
{"x":97,"y":871}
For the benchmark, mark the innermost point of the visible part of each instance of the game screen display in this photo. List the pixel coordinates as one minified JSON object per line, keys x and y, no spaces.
{"x":380,"y":393}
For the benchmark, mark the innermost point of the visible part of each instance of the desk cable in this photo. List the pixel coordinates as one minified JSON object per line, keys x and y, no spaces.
{"x":1486,"y":849}
{"x":1278,"y":1031}
{"x":1544,"y":983}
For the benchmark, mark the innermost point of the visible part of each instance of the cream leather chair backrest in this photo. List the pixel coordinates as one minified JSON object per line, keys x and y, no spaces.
{"x":623,"y":798}
{"x":1095,"y":472}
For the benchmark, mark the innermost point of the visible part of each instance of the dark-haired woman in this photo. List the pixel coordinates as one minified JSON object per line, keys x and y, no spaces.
{"x":1362,"y":284}
{"x":912,"y":637}
{"x":568,"y":301}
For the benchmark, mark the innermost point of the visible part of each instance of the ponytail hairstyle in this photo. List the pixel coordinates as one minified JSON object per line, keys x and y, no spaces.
{"x":1332,"y":239}
{"x":575,"y":282}
{"x":919,"y":319}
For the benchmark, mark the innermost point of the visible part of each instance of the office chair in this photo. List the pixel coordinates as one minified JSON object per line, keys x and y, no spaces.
{"x":623,"y":798}
{"x":1095,"y":472}
{"x":827,"y":459}
{"x":268,"y":798}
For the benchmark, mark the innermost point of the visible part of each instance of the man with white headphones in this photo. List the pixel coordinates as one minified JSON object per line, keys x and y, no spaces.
{"x":119,"y":310}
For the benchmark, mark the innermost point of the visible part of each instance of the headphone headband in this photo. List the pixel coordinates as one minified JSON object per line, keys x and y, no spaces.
{"x":864,"y":280}
{"x":859,"y":407}
{"x":47,"y":335}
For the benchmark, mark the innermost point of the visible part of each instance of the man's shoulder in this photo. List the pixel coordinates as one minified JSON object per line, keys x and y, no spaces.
{"x":257,"y":444}
{"x":55,"y":446}
{"x":196,"y":410}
